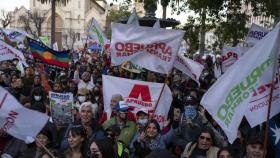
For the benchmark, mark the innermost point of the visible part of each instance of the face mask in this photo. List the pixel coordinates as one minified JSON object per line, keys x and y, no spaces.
{"x":190,"y":112}
{"x":142,"y":121}
{"x":37,"y":98}
{"x":82,"y":99}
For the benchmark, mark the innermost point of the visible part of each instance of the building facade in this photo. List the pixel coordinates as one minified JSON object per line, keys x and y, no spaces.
{"x":72,"y":19}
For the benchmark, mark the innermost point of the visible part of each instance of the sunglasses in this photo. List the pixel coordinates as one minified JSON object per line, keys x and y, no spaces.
{"x":207,"y":138}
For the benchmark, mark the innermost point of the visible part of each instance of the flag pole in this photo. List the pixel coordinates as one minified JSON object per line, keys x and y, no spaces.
{"x":269,"y":109}
{"x":165,"y":81}
{"x":44,"y":147}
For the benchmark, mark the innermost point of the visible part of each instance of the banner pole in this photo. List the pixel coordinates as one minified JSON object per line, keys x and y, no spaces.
{"x":165,"y":81}
{"x":269,"y":109}
{"x":44,"y":147}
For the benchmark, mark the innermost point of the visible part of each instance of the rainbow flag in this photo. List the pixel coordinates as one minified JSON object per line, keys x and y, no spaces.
{"x":48,"y":55}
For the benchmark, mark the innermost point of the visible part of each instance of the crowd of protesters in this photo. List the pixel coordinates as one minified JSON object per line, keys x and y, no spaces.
{"x":189,"y":131}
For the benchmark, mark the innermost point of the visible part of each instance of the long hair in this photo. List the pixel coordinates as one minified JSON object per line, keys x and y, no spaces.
{"x":153,"y":121}
{"x":105,"y":146}
{"x":79,"y":130}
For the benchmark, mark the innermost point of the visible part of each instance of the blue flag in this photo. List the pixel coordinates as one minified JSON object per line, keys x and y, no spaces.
{"x":274,"y":132}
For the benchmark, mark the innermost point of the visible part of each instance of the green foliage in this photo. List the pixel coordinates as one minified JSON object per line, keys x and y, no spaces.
{"x":117,"y":15}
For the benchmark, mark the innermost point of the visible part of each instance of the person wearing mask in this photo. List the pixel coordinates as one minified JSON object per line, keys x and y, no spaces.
{"x":128,"y":128}
{"x":151,"y":139}
{"x":142,"y":120}
{"x":203,"y":147}
{"x":77,"y":143}
{"x":38,"y":97}
{"x":87,"y":120}
{"x":82,"y":96}
{"x":102,"y":148}
{"x":190,"y":123}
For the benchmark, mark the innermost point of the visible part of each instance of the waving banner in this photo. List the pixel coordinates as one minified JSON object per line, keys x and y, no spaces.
{"x":256,"y":33}
{"x":17,"y":120}
{"x":189,"y":67}
{"x":96,"y":33}
{"x":231,"y":55}
{"x":15,"y":35}
{"x":153,"y":49}
{"x":228,"y":98}
{"x":8,"y":52}
{"x":138,"y":95}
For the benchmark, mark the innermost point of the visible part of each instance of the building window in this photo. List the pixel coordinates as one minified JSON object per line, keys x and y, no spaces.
{"x":34,"y":3}
{"x":79,"y":4}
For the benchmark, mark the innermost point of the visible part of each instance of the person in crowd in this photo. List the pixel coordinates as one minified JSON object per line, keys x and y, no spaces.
{"x":73,"y":88}
{"x":120,"y":149}
{"x":128,"y":128}
{"x":38,"y":97}
{"x":77,"y":140}
{"x":82,"y":96}
{"x":28,"y":81}
{"x":254,"y":147}
{"x":17,"y":90}
{"x":225,"y":152}
{"x":151,"y":139}
{"x":111,"y":112}
{"x":204,"y":146}
{"x":102,"y":148}
{"x":86,"y":81}
{"x":93,"y":129}
{"x":190,"y":123}
{"x":142,"y":120}
{"x":37,"y":81}
{"x":57,"y":87}
{"x":36,"y":150}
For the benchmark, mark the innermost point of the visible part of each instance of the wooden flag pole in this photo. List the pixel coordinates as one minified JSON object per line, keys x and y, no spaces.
{"x":165,"y":81}
{"x":44,"y":147}
{"x":268,"y":111}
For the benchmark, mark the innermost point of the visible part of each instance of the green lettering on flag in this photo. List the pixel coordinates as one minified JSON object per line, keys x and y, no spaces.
{"x":99,"y":36}
{"x":241,"y":92}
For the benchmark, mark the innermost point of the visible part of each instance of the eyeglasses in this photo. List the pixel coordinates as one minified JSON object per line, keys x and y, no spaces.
{"x":207,"y":138}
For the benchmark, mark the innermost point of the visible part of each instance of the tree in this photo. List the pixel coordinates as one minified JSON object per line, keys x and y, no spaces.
{"x":73,"y":36}
{"x":53,"y":8}
{"x":33,"y":20}
{"x":116,"y":15}
{"x":5,"y":18}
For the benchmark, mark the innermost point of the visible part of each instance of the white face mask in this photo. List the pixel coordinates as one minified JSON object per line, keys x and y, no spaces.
{"x":142,"y":121}
{"x":37,"y":98}
{"x":82,"y":99}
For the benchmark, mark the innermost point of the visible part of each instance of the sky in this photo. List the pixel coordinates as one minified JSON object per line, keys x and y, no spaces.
{"x":10,"y":5}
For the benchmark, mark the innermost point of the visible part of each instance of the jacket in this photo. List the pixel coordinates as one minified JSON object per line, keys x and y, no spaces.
{"x":211,"y":153}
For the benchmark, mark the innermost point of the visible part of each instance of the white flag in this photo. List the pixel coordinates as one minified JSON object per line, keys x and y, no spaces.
{"x":15,"y":35}
{"x":8,"y":52}
{"x":157,"y":24}
{"x":153,"y":49}
{"x":189,"y":67}
{"x":17,"y":120}
{"x":55,"y":46}
{"x":133,"y":18}
{"x":227,"y":100}
{"x":96,"y":33}
{"x":256,"y":33}
{"x":231,"y":55}
{"x":139,"y":95}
